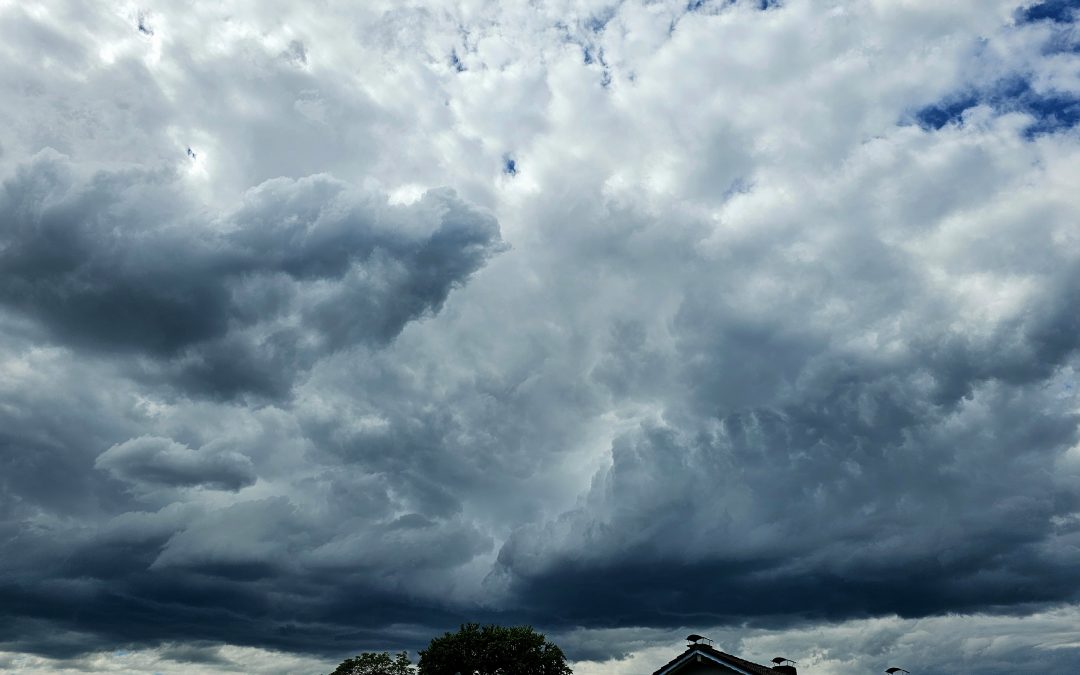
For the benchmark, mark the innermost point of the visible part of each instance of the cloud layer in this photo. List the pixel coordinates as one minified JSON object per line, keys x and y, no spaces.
{"x":327,"y":330}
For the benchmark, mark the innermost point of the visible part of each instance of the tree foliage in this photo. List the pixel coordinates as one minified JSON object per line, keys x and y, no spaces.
{"x":376,"y":663}
{"x":493,"y":650}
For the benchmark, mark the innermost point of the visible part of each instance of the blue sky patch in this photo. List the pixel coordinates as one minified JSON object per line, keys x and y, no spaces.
{"x":1058,"y":11}
{"x":1053,"y":111}
{"x":456,"y":62}
{"x":947,"y":111}
{"x":695,"y":5}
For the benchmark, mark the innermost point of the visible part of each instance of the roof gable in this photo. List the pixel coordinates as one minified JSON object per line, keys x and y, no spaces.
{"x":700,"y":653}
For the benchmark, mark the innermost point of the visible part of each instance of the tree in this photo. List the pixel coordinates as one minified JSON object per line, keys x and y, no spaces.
{"x":372,"y":663}
{"x":493,"y":650}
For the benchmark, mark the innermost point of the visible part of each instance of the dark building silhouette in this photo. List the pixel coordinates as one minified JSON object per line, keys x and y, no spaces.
{"x":701,"y":658}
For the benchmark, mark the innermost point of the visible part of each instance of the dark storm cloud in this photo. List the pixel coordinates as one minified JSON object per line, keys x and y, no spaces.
{"x":771,"y":516}
{"x":267,"y":572}
{"x":121,"y":265}
{"x":49,"y":436}
{"x":119,"y":262}
{"x":134,"y":553}
{"x":790,"y":478}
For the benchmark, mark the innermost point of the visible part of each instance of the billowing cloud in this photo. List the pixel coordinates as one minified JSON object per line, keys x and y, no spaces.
{"x":825,"y":394}
{"x":116,"y":262}
{"x":161,"y":461}
{"x":327,"y":330}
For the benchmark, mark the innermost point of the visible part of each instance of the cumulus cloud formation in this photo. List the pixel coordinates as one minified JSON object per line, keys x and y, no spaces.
{"x":326,"y":330}
{"x":116,"y":261}
{"x":823,"y":403}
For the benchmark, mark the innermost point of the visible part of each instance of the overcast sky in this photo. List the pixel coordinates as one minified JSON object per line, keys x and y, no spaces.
{"x":327,"y":326}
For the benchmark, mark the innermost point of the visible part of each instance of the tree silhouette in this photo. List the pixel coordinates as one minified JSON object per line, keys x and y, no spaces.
{"x":493,"y":650}
{"x":376,"y":663}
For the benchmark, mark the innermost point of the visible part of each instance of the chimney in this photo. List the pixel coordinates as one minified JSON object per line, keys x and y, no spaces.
{"x":785,"y":666}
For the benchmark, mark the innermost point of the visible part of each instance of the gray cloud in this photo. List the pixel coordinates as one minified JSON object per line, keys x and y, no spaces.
{"x":238,"y":303}
{"x":161,"y":461}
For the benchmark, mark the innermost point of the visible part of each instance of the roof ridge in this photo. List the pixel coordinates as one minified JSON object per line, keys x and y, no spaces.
{"x":750,"y":666}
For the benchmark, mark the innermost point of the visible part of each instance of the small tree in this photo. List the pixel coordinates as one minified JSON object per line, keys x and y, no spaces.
{"x":493,"y":650}
{"x":372,"y":663}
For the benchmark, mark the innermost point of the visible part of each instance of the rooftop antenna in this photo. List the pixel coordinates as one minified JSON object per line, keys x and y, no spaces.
{"x":894,"y":670}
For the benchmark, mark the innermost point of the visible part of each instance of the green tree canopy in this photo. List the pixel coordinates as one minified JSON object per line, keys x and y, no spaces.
{"x":372,"y":663}
{"x":493,"y":650}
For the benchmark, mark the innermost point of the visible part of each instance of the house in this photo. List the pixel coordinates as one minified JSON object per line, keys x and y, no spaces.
{"x":701,"y":658}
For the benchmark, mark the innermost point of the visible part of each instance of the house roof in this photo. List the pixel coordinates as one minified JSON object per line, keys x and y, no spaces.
{"x":735,"y":662}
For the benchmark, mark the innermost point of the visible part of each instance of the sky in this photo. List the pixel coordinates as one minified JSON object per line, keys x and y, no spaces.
{"x":328,"y":326}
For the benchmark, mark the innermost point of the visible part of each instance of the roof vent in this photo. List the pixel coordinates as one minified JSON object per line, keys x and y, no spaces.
{"x":784,"y":665}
